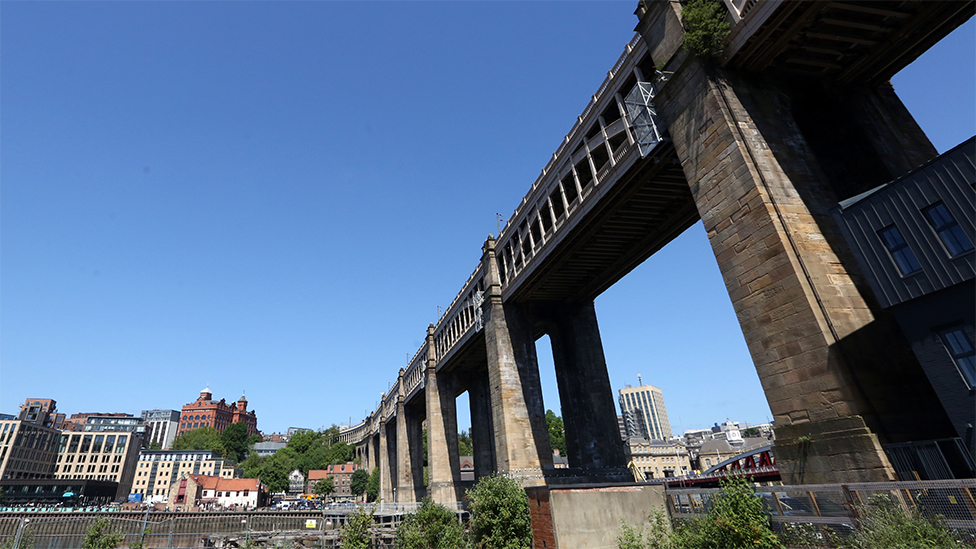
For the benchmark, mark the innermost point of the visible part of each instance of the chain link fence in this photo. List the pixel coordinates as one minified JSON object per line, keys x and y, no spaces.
{"x":157,"y":530}
{"x":823,"y":515}
{"x":220,"y":530}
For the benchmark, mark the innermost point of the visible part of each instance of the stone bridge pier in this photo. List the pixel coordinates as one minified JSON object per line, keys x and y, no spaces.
{"x":595,"y":451}
{"x":765,"y":155}
{"x":409,"y":455}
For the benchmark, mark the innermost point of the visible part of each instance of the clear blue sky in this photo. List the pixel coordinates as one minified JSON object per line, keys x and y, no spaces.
{"x":276,"y":197}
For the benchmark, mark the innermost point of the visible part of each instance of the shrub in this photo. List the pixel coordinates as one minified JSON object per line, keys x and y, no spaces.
{"x":500,"y":514}
{"x":356,"y":533}
{"x":99,"y":536}
{"x":705,"y":28}
{"x":630,"y":537}
{"x":737,"y":519}
{"x":884,"y":523}
{"x":431,"y":527}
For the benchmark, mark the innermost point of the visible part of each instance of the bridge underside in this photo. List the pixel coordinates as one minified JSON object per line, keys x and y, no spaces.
{"x":647,"y":207}
{"x":847,"y":41}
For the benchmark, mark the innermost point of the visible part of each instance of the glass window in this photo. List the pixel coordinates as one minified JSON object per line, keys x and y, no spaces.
{"x":120,"y":447}
{"x":98,"y":444}
{"x":951,"y":234}
{"x":900,"y":252}
{"x":109,"y":443}
{"x":86,"y":443}
{"x":73,"y":447}
{"x":961,"y":351}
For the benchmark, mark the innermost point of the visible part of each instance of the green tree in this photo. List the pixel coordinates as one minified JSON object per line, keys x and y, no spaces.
{"x":431,"y":527}
{"x":236,"y":441}
{"x":465,"y":448}
{"x":316,"y":457}
{"x":204,"y":438}
{"x":273,"y":470}
{"x":356,"y":533}
{"x":155,"y":445}
{"x":99,"y":536}
{"x":303,"y":440}
{"x":340,"y":452}
{"x":557,"y":432}
{"x":331,"y":435}
{"x":373,"y":485}
{"x":252,"y":465}
{"x":705,"y":28}
{"x":318,"y":450}
{"x":325,"y":487}
{"x":500,"y":514}
{"x":358,"y":482}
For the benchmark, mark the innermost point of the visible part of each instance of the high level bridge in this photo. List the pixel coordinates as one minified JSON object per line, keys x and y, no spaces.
{"x":798,"y":117}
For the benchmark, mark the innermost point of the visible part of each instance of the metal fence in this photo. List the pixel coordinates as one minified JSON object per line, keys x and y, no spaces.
{"x":229,"y":530}
{"x":303,"y":529}
{"x":822,"y":515}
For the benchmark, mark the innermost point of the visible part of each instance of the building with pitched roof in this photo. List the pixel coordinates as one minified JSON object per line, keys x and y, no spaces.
{"x":203,"y":491}
{"x":341,"y":477}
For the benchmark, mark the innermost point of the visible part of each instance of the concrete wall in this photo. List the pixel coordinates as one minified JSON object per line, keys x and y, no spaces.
{"x":590,"y":517}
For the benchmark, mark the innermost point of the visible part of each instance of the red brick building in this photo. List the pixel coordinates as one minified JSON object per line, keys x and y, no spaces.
{"x":205,"y":412}
{"x":341,"y":477}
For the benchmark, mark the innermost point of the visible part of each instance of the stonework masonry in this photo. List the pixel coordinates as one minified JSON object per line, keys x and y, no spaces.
{"x":763,"y":187}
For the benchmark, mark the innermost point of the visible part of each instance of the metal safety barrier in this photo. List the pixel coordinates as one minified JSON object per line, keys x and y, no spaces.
{"x":831,"y":511}
{"x":157,"y":530}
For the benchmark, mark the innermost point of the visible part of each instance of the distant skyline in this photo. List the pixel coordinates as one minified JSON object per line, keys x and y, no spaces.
{"x":275,"y":198}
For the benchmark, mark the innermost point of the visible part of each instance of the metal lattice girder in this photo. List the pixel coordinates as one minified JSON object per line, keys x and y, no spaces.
{"x":643,"y":116}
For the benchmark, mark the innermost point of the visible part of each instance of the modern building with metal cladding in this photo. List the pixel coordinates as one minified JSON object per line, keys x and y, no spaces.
{"x":913,"y":238}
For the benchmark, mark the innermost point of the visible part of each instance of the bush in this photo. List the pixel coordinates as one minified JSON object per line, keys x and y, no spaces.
{"x":658,"y":536}
{"x":630,"y":537}
{"x":357,"y":532}
{"x":884,"y":523}
{"x":737,"y":519}
{"x":99,"y":537}
{"x":500,"y":514}
{"x":705,"y":28}
{"x":431,"y":527}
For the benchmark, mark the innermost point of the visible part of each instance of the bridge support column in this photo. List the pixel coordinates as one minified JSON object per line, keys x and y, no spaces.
{"x":443,"y":465}
{"x":592,"y":435}
{"x":414,"y":415}
{"x":765,"y":157}
{"x":521,"y":437}
{"x":482,"y":431}
{"x":383,"y":461}
{"x":372,"y":448}
{"x":405,"y":491}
